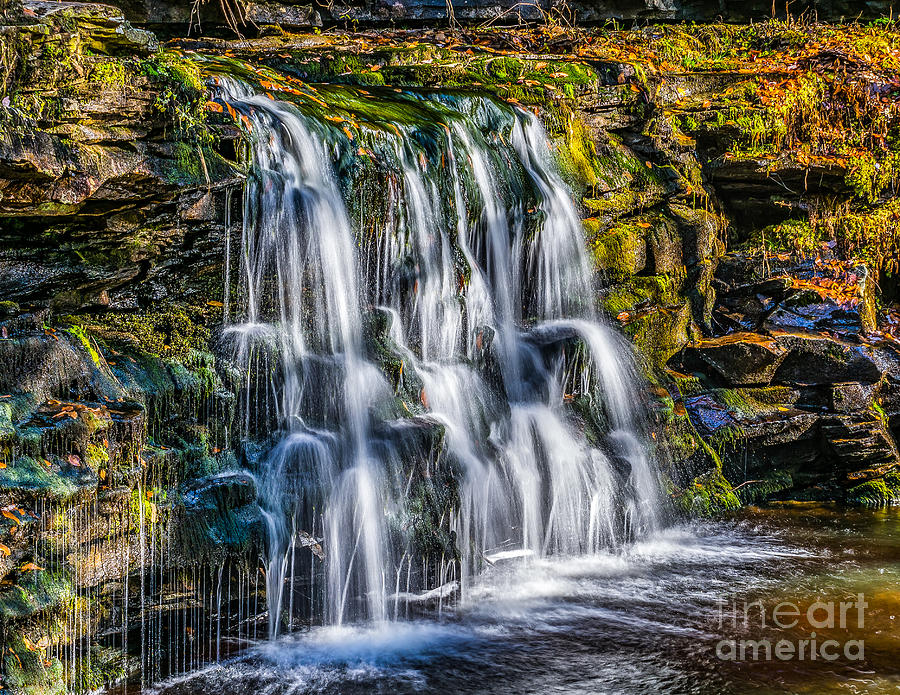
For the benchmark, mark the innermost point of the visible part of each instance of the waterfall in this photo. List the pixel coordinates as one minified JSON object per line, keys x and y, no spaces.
{"x":415,"y":298}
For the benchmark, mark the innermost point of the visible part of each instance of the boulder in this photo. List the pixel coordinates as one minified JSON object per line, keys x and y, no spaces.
{"x":821,"y":359}
{"x":858,"y":441}
{"x":741,"y":358}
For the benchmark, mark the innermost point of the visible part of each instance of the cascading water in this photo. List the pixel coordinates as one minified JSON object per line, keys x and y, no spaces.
{"x":444,"y":322}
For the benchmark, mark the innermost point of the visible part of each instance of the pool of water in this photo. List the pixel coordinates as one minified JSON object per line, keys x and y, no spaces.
{"x":671,"y":614}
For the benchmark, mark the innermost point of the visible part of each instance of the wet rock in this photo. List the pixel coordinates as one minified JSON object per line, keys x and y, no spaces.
{"x":819,"y":359}
{"x":806,"y":309}
{"x":881,"y":491}
{"x":859,"y":442}
{"x":740,"y":358}
{"x":852,"y":397}
{"x":741,"y":418}
{"x":218,"y":516}
{"x":708,"y":415}
{"x":699,"y":232}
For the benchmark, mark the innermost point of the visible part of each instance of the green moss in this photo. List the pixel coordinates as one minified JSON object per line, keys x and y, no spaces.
{"x":35,"y":591}
{"x":619,"y":251}
{"x":109,"y":73}
{"x":709,"y":495}
{"x":32,"y":477}
{"x":761,"y":490}
{"x":26,"y":673}
{"x":877,"y":493}
{"x":616,"y":204}
{"x":176,"y":332}
{"x":96,"y":456}
{"x":181,"y":94}
{"x":799,"y":236}
{"x":78,"y":333}
{"x":872,"y":235}
{"x":753,"y":402}
{"x":661,"y":290}
{"x":577,"y":156}
{"x":729,"y":437}
{"x":104,"y":667}
{"x":659,"y":333}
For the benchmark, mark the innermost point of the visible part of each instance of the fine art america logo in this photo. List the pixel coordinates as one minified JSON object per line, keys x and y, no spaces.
{"x":828,"y":616}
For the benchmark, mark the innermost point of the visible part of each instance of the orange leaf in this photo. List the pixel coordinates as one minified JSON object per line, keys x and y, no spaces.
{"x":30,"y":567}
{"x":4,"y":549}
{"x":214,"y":106}
{"x":10,"y":515}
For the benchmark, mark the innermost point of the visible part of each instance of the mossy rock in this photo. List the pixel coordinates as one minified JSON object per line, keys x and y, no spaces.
{"x":28,"y":478}
{"x":709,"y":495}
{"x":26,"y":672}
{"x":35,"y":591}
{"x":756,"y":491}
{"x":652,"y":314}
{"x":8,"y":309}
{"x":629,"y":295}
{"x":877,"y":493}
{"x":171,"y":332}
{"x":619,"y":251}
{"x":104,"y":666}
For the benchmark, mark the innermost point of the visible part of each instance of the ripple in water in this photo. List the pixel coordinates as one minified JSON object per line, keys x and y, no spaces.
{"x":638,"y":621}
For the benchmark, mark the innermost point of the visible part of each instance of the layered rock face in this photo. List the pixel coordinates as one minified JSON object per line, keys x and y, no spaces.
{"x":172,"y":17}
{"x":124,"y":508}
{"x":737,"y":185}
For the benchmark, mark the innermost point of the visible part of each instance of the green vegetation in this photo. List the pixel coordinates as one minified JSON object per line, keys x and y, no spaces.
{"x":877,"y":493}
{"x":182,"y":94}
{"x":176,"y":332}
{"x":709,"y":495}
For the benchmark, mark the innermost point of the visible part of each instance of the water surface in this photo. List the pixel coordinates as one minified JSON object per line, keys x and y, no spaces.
{"x":642,"y":620}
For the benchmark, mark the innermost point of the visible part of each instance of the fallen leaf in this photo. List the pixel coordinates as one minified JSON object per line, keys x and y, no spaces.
{"x":30,"y":567}
{"x":4,"y":550}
